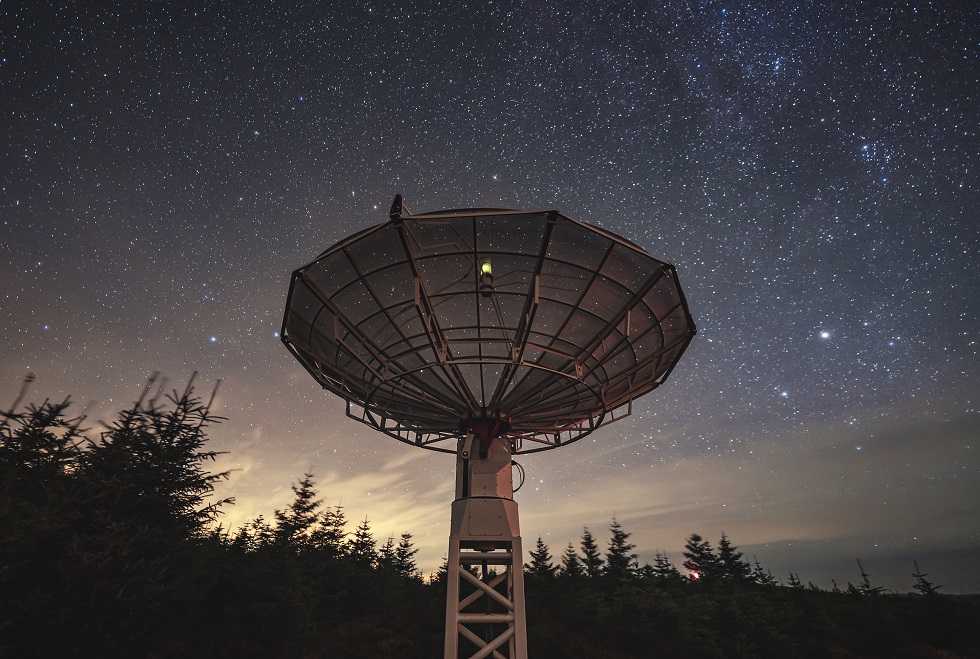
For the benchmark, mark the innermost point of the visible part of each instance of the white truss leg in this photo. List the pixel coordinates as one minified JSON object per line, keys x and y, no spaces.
{"x":490,"y":620}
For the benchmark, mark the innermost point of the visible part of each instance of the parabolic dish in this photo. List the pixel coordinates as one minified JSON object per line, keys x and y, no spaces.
{"x":547,"y":326}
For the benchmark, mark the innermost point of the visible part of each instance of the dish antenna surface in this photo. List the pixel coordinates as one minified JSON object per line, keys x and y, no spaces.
{"x":486,"y":333}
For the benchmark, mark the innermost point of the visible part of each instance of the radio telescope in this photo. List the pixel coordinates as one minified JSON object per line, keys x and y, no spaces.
{"x":486,"y":333}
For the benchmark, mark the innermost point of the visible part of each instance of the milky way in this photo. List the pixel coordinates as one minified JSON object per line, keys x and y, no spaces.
{"x":810,"y":168}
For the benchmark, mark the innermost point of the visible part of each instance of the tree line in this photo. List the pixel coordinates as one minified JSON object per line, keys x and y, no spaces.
{"x":706,"y":567}
{"x":110,"y":545}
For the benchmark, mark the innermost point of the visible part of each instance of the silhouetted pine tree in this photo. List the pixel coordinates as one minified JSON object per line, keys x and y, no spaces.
{"x":254,"y":535}
{"x":540,"y":565}
{"x":40,"y":502}
{"x":730,"y":563}
{"x":405,"y":557}
{"x":295,"y":523}
{"x":330,"y":536}
{"x":386,"y":555}
{"x":361,"y":546}
{"x":664,"y":571}
{"x":571,"y":564}
{"x":621,"y":564}
{"x":701,"y":561}
{"x":39,"y":445}
{"x":152,"y":459}
{"x":592,"y":560}
{"x":440,"y":576}
{"x":922,"y":585}
{"x":762,"y":576}
{"x":44,"y":530}
{"x":866,"y":588}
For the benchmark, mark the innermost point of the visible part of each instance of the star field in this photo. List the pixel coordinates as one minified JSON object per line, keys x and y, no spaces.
{"x":810,"y":168}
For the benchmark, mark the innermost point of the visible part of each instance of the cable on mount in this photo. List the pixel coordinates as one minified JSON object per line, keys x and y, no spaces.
{"x":517,"y":464}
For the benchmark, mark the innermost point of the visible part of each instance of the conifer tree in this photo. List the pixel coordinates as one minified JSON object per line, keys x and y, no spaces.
{"x":571,"y":564}
{"x":330,"y":534}
{"x":540,"y":565}
{"x":922,"y":585}
{"x":386,"y":555}
{"x":39,"y":444}
{"x":361,"y":547}
{"x":152,"y":457}
{"x":701,"y":563}
{"x":405,"y":557}
{"x":441,"y":575}
{"x":40,"y":452}
{"x":664,"y":571}
{"x":731,"y":565}
{"x":866,"y":588}
{"x":621,"y":564}
{"x":761,"y":576}
{"x":592,"y":560}
{"x":254,"y":535}
{"x":294,"y":524}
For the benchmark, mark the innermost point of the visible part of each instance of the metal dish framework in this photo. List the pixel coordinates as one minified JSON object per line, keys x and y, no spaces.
{"x":577,"y":323}
{"x":486,"y":333}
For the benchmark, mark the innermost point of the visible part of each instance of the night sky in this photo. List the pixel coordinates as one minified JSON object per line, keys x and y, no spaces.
{"x":810,"y":169}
